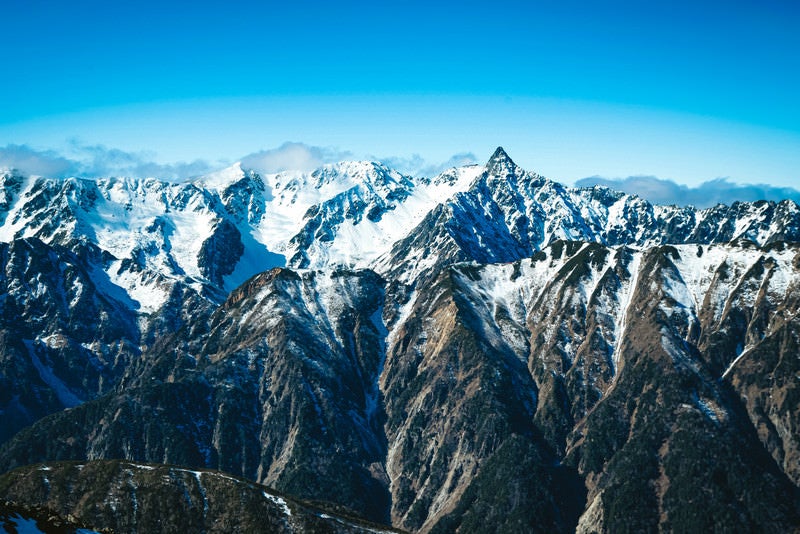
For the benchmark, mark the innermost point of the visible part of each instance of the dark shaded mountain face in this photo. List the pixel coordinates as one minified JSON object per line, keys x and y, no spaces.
{"x":120,"y":496}
{"x":521,"y":356}
{"x":64,"y":339}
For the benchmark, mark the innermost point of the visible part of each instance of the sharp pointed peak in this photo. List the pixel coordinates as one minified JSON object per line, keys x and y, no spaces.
{"x":500,"y":152}
{"x":500,"y":161}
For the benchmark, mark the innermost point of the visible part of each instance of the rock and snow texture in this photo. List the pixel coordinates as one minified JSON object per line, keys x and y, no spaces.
{"x":508,"y":214}
{"x":481,"y":347}
{"x":216,"y":231}
{"x":517,"y":372}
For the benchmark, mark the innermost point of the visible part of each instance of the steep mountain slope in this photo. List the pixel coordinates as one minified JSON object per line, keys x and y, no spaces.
{"x":482,"y":349}
{"x":67,"y":335}
{"x":508,"y":214}
{"x":281,"y":389}
{"x":126,"y":497}
{"x":154,"y":234}
{"x":616,"y":368}
{"x":460,"y":422}
{"x":643,"y":449}
{"x":507,"y":389}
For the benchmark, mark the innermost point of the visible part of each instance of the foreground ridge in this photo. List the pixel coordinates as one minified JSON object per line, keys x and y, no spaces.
{"x":120,"y":496}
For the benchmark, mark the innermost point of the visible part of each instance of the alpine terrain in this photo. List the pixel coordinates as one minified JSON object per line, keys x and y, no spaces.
{"x":353,"y":350}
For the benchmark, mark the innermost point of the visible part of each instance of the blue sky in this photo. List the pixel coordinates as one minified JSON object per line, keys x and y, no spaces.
{"x":686,"y":91}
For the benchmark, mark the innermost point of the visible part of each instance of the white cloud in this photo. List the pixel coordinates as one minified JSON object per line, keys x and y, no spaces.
{"x":99,"y":160}
{"x":93,"y":161}
{"x":303,"y":157}
{"x":720,"y":190}
{"x":32,"y":161}
{"x":293,"y":156}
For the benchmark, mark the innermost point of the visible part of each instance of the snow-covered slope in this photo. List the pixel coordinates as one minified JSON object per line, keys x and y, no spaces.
{"x":508,"y":214}
{"x":214,"y":232}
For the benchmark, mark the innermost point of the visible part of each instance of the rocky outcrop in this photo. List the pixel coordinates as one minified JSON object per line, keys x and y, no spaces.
{"x":220,"y":252}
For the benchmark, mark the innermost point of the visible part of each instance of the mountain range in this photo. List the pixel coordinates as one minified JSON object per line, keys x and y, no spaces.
{"x":483,"y":350}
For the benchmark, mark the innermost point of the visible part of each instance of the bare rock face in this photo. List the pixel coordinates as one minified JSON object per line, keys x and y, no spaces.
{"x":220,"y":252}
{"x":460,"y":412}
{"x":283,"y":389}
{"x":524,"y":357}
{"x":65,"y":338}
{"x":646,"y":443}
{"x":766,"y":381}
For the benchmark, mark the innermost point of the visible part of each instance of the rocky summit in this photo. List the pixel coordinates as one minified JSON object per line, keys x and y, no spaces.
{"x":352,"y":349}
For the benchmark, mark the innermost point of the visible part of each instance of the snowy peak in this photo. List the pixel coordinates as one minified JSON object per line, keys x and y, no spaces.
{"x":356,"y":225}
{"x":217,"y":230}
{"x":331,"y":180}
{"x":222,"y":179}
{"x":508,"y":214}
{"x":349,"y":173}
{"x":501,"y":164}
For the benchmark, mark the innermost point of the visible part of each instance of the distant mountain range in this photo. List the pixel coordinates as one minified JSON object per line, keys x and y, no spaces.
{"x":483,"y":350}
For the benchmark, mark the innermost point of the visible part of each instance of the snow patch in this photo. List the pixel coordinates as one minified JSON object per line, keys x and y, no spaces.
{"x":402,"y":317}
{"x":222,"y":179}
{"x":62,"y":392}
{"x":734,"y":362}
{"x":626,"y":303}
{"x":140,"y":466}
{"x":148,"y":294}
{"x":280,"y":502}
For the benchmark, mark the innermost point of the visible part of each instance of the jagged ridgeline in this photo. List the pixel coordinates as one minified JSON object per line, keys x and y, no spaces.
{"x":484,"y":350}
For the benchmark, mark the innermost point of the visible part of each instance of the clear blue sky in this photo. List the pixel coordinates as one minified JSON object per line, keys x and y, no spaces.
{"x":689,"y":91}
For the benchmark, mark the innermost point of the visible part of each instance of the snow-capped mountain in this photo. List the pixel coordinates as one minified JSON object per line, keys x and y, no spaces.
{"x":214,"y":232}
{"x":483,"y":347}
{"x":508,"y":214}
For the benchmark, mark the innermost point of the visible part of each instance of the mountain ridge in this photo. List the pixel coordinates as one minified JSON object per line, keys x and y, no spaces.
{"x":511,"y":352}
{"x":169,"y":498}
